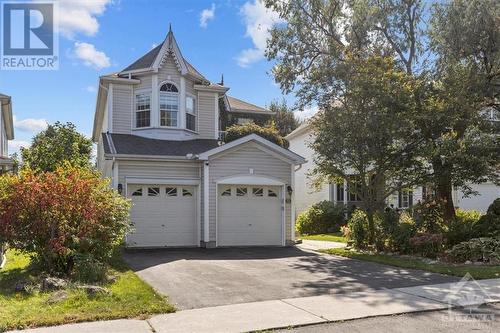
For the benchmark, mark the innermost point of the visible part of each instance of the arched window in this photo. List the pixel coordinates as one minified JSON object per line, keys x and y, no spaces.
{"x":169,"y":105}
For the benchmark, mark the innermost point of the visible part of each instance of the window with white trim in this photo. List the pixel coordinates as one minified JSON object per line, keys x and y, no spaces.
{"x":258,"y":191}
{"x":142,"y":110}
{"x":171,"y":191}
{"x":153,"y":191}
{"x":169,"y":105}
{"x":272,"y":194}
{"x":241,"y":191}
{"x":226,"y":193}
{"x":190,"y":113}
{"x":187,"y":193}
{"x":137,"y":193}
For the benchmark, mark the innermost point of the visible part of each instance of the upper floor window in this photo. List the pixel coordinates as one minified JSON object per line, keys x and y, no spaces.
{"x":143,"y":110}
{"x":190,"y":113}
{"x":169,"y":105}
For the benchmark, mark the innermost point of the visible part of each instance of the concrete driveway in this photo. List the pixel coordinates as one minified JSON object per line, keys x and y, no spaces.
{"x":196,"y":278}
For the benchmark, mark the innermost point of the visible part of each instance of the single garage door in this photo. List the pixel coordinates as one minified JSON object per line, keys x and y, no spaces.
{"x":249,"y":215}
{"x":162,"y":215}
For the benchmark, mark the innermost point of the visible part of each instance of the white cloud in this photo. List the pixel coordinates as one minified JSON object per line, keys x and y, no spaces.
{"x":207,"y":15}
{"x":153,"y":45}
{"x":30,"y":125}
{"x":307,"y":113}
{"x":91,"y":56}
{"x":15,"y":145}
{"x":91,"y":89}
{"x":80,"y":16}
{"x":258,"y":20}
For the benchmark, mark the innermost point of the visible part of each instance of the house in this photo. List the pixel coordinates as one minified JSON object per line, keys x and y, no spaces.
{"x":339,"y":193}
{"x":240,"y":112}
{"x":6,"y":132}
{"x":157,"y":126}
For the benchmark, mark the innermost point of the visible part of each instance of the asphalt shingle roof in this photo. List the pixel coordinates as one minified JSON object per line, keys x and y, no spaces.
{"x":128,"y":144}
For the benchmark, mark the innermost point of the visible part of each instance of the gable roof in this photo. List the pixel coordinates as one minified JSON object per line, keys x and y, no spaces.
{"x":127,"y":144}
{"x":237,"y":105}
{"x":299,"y":130}
{"x":154,"y":58}
{"x":6,"y":108}
{"x":288,"y":154}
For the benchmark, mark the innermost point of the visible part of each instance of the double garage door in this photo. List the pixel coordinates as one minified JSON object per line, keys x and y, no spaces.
{"x":163,"y":215}
{"x":166,"y":215}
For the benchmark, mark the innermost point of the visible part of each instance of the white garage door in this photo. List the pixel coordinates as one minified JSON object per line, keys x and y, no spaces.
{"x":249,"y":215}
{"x":162,"y":215}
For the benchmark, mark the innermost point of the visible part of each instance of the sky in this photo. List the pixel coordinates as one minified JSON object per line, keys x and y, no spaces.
{"x":98,"y":37}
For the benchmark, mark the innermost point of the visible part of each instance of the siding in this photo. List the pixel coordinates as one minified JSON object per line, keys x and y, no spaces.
{"x":145,"y":82}
{"x":206,"y":115}
{"x":169,"y":72}
{"x":306,"y":195}
{"x":237,"y":162}
{"x":122,"y":109}
{"x":154,"y":169}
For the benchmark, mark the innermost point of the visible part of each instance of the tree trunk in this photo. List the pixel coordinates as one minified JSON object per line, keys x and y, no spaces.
{"x":371,"y":226}
{"x":444,"y":189}
{"x":444,"y":194}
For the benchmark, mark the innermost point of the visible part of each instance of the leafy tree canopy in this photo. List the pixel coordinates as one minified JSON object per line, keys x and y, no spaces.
{"x":284,"y":118}
{"x":269,"y":132}
{"x":58,"y":144}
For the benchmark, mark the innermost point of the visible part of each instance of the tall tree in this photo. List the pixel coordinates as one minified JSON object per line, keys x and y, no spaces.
{"x":311,"y":48}
{"x":54,"y":146}
{"x":368,"y":132}
{"x":284,"y":118}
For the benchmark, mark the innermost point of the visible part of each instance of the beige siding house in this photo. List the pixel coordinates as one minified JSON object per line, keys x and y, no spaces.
{"x":6,"y":132}
{"x":306,"y":195}
{"x":157,"y":127}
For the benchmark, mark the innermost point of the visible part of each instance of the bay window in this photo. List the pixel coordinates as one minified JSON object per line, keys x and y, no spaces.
{"x":190,"y":113}
{"x":169,"y":105}
{"x":142,"y":110}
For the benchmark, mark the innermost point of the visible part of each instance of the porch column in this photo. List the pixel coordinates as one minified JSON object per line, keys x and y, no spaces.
{"x":345,"y":192}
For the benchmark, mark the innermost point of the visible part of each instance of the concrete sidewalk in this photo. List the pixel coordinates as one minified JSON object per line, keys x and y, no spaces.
{"x":319,"y":245}
{"x":284,"y":313}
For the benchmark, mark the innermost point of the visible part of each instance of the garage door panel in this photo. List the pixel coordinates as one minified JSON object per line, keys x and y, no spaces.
{"x":248,"y":216}
{"x":167,"y":218}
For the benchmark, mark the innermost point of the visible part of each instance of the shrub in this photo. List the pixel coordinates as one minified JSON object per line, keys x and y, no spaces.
{"x":428,"y":216}
{"x":270,"y":133}
{"x":489,"y":224}
{"x":427,"y":244}
{"x":462,"y":228}
{"x":321,"y":218}
{"x":399,"y":240}
{"x":61,"y":215}
{"x":358,"y":226}
{"x":485,"y":250}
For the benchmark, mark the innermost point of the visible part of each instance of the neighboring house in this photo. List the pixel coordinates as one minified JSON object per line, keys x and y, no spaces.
{"x":156,"y":127}
{"x":6,"y":132}
{"x":240,"y":112}
{"x":306,"y":195}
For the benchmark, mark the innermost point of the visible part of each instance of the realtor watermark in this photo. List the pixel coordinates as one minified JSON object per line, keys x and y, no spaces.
{"x":469,"y":296}
{"x":29,"y":36}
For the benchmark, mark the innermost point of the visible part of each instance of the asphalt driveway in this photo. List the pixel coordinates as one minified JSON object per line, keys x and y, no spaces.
{"x":196,"y":278}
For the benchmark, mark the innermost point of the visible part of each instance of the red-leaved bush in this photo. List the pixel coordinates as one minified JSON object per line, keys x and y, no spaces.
{"x":61,"y":216}
{"x":427,"y":244}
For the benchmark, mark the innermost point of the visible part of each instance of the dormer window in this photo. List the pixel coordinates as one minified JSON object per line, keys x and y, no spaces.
{"x":142,"y":110}
{"x":169,"y":105}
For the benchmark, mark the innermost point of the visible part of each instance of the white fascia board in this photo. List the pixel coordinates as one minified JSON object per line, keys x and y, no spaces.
{"x":149,"y":157}
{"x":301,"y":129}
{"x":220,"y":89}
{"x":252,"y":111}
{"x":138,"y":71}
{"x":102,"y":94}
{"x":162,"y":181}
{"x":250,"y":180}
{"x":295,"y":158}
{"x":120,"y":80}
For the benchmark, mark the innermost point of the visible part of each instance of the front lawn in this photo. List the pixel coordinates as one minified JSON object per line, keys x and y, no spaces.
{"x":130,"y":298}
{"x":331,"y":237}
{"x":477,"y":272}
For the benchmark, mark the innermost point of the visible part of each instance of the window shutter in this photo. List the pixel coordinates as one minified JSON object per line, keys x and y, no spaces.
{"x":400,"y":199}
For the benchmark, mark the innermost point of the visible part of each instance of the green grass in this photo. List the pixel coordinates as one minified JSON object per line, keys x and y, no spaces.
{"x":477,"y":272}
{"x":130,"y":298}
{"x":332,"y":237}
